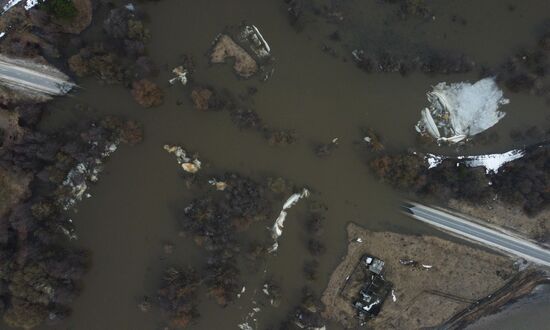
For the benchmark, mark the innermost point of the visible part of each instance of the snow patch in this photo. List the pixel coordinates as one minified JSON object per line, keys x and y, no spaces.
{"x":491,"y":162}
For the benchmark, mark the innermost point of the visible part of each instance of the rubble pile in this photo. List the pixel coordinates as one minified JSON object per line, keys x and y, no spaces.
{"x":461,"y":110}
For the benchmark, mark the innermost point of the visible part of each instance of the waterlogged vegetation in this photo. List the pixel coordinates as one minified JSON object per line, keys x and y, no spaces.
{"x":274,"y":100}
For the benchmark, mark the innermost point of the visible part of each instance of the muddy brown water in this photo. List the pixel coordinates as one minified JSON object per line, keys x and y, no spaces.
{"x":133,"y":210}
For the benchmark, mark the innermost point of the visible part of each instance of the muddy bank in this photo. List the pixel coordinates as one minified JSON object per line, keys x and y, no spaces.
{"x":521,"y":285}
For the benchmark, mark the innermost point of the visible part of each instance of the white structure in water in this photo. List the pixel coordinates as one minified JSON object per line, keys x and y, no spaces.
{"x":460,"y":110}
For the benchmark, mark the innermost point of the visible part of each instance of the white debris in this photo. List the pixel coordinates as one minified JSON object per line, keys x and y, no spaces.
{"x":258,"y":44}
{"x":335,"y":140}
{"x":433,"y":160}
{"x":277,"y":229}
{"x":245,"y":326}
{"x":77,"y":179}
{"x":187,"y":164}
{"x":393,"y":297}
{"x":69,"y":233}
{"x":359,"y":240}
{"x":241,"y":293}
{"x":181,"y":75}
{"x":460,"y":110}
{"x":427,"y":266}
{"x":357,"y":54}
{"x":130,"y":7}
{"x":2,"y":34}
{"x":30,"y":3}
{"x":491,"y":162}
{"x":11,"y":3}
{"x":369,"y":307}
{"x":367,"y":139}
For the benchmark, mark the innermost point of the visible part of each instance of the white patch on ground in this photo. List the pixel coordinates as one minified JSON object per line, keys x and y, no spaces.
{"x":393,"y":297}
{"x":461,"y":110}
{"x":491,"y":162}
{"x":10,"y":4}
{"x":277,"y":229}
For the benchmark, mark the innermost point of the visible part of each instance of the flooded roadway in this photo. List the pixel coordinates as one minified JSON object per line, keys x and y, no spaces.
{"x":133,"y":210}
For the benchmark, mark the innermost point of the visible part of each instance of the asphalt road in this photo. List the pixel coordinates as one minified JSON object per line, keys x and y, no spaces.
{"x":13,"y":75}
{"x":486,"y":236}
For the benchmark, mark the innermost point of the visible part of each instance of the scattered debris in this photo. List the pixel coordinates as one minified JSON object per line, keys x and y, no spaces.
{"x":77,"y":178}
{"x":325,"y":149}
{"x":277,"y":229}
{"x":427,"y":266}
{"x":181,"y":75}
{"x":258,"y":44}
{"x":11,"y":3}
{"x":373,"y":140}
{"x":190,"y":165}
{"x":241,"y":293}
{"x":145,"y":305}
{"x":460,"y":110}
{"x":393,"y":297}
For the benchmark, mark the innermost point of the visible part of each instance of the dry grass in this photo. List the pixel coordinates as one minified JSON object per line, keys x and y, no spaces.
{"x":425,"y":297}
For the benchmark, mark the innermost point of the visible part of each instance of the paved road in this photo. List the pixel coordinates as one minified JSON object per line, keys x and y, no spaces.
{"x":483,"y":235}
{"x":22,"y":77}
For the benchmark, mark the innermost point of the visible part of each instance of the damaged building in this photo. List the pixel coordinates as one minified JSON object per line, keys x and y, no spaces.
{"x":375,"y":288}
{"x":461,"y":110}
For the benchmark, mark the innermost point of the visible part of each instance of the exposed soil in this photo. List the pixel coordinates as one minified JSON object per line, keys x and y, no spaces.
{"x":424,"y":296}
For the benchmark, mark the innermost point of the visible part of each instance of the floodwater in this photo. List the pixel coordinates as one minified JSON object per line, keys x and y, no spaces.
{"x":135,"y":205}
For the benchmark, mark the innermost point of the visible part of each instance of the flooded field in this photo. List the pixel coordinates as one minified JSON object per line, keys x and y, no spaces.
{"x":320,"y":94}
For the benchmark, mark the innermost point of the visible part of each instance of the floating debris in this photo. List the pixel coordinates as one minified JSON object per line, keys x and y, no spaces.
{"x":393,"y":297}
{"x":427,"y":266}
{"x":220,"y":185}
{"x":188,"y":164}
{"x":257,"y":42}
{"x":78,"y":177}
{"x":241,"y":293}
{"x":491,"y":162}
{"x":461,"y":110}
{"x":181,"y":75}
{"x":277,"y":229}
